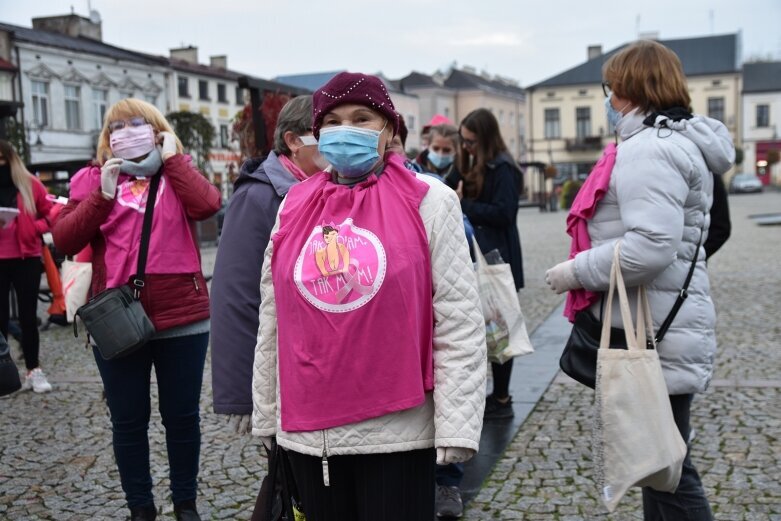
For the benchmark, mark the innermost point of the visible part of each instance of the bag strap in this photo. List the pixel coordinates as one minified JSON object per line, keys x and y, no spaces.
{"x":146,"y":231}
{"x":682,"y":295}
{"x":617,"y":282}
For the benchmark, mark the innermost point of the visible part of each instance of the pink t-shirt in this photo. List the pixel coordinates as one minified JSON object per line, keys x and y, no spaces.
{"x":352,"y":282}
{"x":172,"y":248}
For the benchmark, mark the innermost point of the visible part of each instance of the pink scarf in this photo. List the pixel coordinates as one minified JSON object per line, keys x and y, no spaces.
{"x":293,"y":168}
{"x":583,"y":208}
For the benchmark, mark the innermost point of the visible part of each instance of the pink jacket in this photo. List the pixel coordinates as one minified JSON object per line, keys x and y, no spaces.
{"x":29,"y":227}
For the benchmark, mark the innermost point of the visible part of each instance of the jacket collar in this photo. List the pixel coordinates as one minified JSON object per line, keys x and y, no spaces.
{"x":277,"y":174}
{"x":630,"y":124}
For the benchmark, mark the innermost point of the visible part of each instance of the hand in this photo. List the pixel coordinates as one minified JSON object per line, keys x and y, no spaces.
{"x":168,"y":144}
{"x":562,"y":277}
{"x":460,"y":190}
{"x":447,"y":455}
{"x":240,"y":423}
{"x":109,"y":173}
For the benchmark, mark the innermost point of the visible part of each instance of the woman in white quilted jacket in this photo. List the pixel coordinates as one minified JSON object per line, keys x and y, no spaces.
{"x":657,"y":203}
{"x":368,"y":375}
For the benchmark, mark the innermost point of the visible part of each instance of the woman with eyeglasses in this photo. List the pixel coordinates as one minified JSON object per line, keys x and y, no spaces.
{"x":488,"y":182}
{"x":656,"y":202}
{"x":105,"y":211}
{"x":252,"y":209}
{"x":370,"y":371}
{"x":24,"y":212}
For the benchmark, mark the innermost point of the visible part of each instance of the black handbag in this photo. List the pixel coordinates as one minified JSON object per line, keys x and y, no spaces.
{"x":9,"y":374}
{"x":579,"y":358}
{"x":276,"y":499}
{"x":115,"y":318}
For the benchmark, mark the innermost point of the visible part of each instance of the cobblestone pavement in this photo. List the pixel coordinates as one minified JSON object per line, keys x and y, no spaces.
{"x":56,"y":461}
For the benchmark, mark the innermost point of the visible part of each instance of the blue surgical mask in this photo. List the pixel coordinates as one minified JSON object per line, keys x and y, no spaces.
{"x":352,"y":151}
{"x":440,"y":160}
{"x":613,"y":115}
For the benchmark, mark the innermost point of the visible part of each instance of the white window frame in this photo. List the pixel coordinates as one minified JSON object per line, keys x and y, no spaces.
{"x":99,"y":105}
{"x":69,"y":102}
{"x":40,"y":96}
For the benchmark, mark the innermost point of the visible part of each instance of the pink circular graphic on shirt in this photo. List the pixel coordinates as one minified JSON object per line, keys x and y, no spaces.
{"x":340,"y":268}
{"x":133,"y":193}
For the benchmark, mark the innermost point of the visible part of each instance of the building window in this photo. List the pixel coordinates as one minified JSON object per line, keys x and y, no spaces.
{"x":239,"y":96}
{"x":410,"y":122}
{"x":716,"y":108}
{"x":582,"y":92}
{"x":512,"y":118}
{"x":521,"y":126}
{"x":125,"y":94}
{"x":100,"y":104}
{"x":184,"y":87}
{"x":582,"y":122}
{"x":222,"y":96}
{"x":552,"y":127}
{"x":203,"y":90}
{"x":72,"y":107}
{"x":501,"y":117}
{"x":447,"y":112}
{"x":763,"y":116}
{"x":40,"y":92}
{"x":151,"y":98}
{"x":224,"y":139}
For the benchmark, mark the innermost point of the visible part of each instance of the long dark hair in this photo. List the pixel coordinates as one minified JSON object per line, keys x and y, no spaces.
{"x":489,"y":145}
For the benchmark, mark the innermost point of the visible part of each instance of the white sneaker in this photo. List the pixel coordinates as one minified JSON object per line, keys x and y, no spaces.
{"x":36,"y":380}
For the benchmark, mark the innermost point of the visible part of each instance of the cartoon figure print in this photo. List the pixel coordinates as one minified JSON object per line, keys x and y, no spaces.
{"x":328,"y":258}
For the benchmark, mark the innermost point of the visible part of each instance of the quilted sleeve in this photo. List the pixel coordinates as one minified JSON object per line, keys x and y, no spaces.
{"x":459,"y":328}
{"x":264,"y":373}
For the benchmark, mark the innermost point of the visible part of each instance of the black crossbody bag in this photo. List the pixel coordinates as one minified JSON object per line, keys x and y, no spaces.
{"x":579,"y":358}
{"x":115,"y":318}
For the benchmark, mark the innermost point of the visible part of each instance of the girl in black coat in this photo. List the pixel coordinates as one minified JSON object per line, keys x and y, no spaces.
{"x":488,"y":182}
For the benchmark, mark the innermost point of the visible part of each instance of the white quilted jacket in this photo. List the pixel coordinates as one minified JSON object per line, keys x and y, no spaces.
{"x":452,"y":415}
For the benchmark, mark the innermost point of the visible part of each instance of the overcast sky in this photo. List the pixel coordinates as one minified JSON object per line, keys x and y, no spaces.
{"x":524,"y":40}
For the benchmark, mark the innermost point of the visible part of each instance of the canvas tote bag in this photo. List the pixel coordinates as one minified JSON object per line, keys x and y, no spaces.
{"x":505,"y":328}
{"x":76,"y":280}
{"x":636,"y":441}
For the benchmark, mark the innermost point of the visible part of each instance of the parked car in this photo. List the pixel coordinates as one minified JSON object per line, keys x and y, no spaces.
{"x":745,"y":183}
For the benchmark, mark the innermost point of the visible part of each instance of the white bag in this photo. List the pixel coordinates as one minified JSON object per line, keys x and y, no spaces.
{"x":76,"y":280}
{"x":636,"y":440}
{"x":505,"y":328}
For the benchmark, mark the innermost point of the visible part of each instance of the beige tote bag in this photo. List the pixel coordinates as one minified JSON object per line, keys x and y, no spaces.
{"x":636,"y":441}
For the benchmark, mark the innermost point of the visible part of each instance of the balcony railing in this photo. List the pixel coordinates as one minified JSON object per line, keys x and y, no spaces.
{"x":582,"y":144}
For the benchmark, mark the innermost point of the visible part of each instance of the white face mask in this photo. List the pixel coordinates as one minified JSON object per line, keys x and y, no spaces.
{"x":308,"y":141}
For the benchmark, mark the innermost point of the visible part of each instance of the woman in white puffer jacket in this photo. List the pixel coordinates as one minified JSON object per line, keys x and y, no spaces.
{"x":657,"y":204}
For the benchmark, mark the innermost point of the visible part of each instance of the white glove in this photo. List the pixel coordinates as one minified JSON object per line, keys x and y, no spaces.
{"x":240,"y":423}
{"x":109,"y":173}
{"x":447,"y":455}
{"x":168,"y":144}
{"x":562,"y":277}
{"x":267,"y":441}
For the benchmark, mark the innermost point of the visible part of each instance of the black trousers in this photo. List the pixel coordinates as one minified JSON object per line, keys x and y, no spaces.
{"x":397,"y":486}
{"x":501,"y":374}
{"x":688,"y":502}
{"x":25,"y":277}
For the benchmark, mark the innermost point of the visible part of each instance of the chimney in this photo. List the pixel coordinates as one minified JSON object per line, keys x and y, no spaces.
{"x":648,"y":35}
{"x":594,"y":51}
{"x":188,"y":54}
{"x":219,"y":62}
{"x":72,"y":25}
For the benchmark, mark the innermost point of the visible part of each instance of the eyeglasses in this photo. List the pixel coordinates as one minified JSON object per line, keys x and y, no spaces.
{"x":119,"y":124}
{"x":606,"y":88}
{"x":468,"y":142}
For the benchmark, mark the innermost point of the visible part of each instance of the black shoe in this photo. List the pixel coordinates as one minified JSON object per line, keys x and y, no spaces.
{"x":186,"y":511}
{"x":143,"y":513}
{"x":496,"y":410}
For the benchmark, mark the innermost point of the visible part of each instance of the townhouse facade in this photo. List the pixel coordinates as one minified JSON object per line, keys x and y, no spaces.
{"x":761,"y":123}
{"x":567,"y":122}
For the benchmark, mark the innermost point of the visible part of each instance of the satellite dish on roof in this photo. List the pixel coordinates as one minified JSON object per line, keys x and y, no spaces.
{"x":94,"y":16}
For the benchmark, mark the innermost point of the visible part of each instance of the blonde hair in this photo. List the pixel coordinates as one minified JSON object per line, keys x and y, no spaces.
{"x":649,"y":75}
{"x":124,"y":110}
{"x":20,"y":176}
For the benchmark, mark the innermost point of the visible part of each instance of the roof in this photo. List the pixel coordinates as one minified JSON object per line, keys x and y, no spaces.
{"x":311,"y":81}
{"x":762,"y":77}
{"x":700,"y":56}
{"x":204,"y":70}
{"x":417,"y":79}
{"x":459,"y":79}
{"x":80,"y":45}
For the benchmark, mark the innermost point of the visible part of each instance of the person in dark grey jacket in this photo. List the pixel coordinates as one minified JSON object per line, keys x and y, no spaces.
{"x":250,"y":215}
{"x":658,"y":205}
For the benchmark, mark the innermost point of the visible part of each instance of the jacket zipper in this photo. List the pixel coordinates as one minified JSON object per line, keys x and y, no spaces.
{"x":326,"y":475}
{"x":197,"y":287}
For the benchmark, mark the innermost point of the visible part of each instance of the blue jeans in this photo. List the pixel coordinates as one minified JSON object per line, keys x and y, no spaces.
{"x":178,"y":366}
{"x":450,"y":475}
{"x":688,"y":502}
